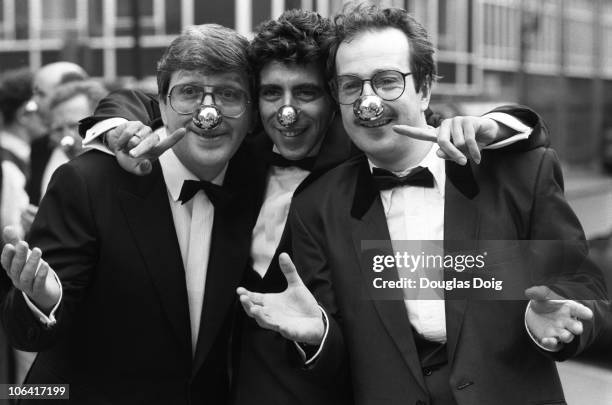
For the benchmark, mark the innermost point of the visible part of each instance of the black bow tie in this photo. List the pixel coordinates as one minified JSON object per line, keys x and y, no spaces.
{"x":385,"y":180}
{"x":275,"y":159}
{"x":216,"y":194}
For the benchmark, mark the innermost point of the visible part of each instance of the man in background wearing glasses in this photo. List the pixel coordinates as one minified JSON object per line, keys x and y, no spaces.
{"x":145,"y":304}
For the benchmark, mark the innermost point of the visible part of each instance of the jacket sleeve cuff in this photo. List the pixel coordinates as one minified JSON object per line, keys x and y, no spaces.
{"x":522,"y":131}
{"x":309,"y":360}
{"x":48,"y":321}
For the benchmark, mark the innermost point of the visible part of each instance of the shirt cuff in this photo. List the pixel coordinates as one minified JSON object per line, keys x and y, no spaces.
{"x":523,"y":131}
{"x":97,"y":145}
{"x":50,"y":320}
{"x":534,"y":338}
{"x":314,"y":357}
{"x":100,"y":128}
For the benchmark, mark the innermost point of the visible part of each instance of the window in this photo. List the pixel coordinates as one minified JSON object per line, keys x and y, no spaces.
{"x":59,"y":18}
{"x":151,"y":12}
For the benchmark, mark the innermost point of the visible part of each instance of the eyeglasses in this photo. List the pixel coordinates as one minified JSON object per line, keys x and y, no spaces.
{"x":187,"y":98}
{"x":387,"y":84}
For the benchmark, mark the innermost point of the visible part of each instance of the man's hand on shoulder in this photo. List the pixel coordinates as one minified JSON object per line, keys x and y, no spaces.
{"x":136,"y":146}
{"x":459,"y":138}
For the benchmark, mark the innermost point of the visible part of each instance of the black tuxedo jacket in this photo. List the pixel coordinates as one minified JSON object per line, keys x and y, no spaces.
{"x":122,"y":335}
{"x":263,"y":374}
{"x":509,"y":196}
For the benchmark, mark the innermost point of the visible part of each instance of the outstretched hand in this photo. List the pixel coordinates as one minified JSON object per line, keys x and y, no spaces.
{"x":28,"y":272}
{"x":552,"y":319}
{"x":294,"y":313}
{"x":459,"y":138}
{"x":137,"y":146}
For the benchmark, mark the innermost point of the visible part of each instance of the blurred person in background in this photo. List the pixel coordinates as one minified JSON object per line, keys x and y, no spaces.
{"x":20,"y":122}
{"x":20,"y":125}
{"x":69,"y":103}
{"x":46,"y":79}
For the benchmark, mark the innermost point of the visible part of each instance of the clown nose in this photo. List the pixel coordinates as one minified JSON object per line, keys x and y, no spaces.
{"x":368,"y":108}
{"x":67,"y":142}
{"x":287,"y":116}
{"x":207,"y":117}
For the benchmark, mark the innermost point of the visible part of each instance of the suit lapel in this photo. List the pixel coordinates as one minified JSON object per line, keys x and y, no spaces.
{"x":229,"y":252}
{"x":461,"y":228}
{"x":368,"y":222}
{"x":148,"y":214}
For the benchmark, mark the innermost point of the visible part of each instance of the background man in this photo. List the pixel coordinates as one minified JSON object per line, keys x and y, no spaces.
{"x":68,"y":104}
{"x":146,"y":272}
{"x":415,"y":351}
{"x":20,"y":124}
{"x":45,"y":80}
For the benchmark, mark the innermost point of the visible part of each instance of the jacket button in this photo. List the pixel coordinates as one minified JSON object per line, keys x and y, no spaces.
{"x":427,"y":371}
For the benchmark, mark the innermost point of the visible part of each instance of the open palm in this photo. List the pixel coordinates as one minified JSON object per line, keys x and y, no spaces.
{"x":294,"y":313}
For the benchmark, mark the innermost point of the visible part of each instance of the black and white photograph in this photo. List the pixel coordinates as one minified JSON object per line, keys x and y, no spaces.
{"x":283,"y":202}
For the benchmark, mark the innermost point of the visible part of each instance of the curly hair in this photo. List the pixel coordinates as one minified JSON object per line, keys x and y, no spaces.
{"x":357,"y":18}
{"x":296,"y":37}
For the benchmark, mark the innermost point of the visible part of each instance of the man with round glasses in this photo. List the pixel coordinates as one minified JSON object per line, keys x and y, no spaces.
{"x":402,"y":350}
{"x":387,"y":84}
{"x":136,"y":280}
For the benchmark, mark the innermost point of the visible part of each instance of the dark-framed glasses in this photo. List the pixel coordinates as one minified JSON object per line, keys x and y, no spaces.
{"x":386,"y":84}
{"x":187,"y":98}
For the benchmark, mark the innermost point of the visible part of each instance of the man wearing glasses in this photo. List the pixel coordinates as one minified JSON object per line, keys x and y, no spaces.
{"x":403,"y":350}
{"x":144,"y":309}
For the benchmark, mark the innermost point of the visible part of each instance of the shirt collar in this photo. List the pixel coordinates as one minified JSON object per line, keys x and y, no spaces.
{"x":175,"y":173}
{"x":431,"y":161}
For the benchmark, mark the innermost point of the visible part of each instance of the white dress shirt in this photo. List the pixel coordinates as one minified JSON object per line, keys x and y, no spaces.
{"x":193,"y":222}
{"x":282,"y":183}
{"x":417,"y":213}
